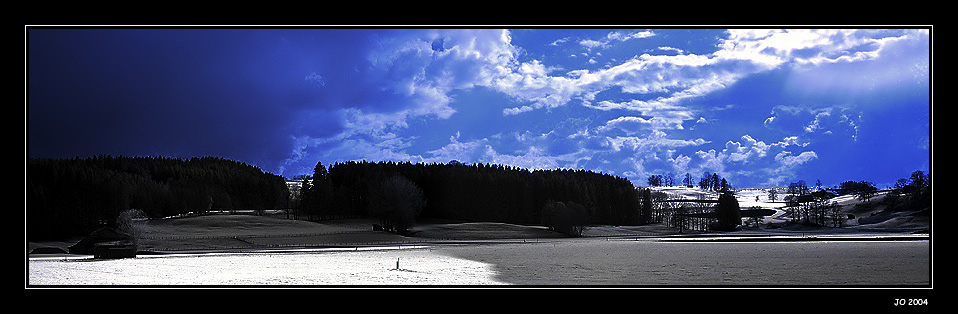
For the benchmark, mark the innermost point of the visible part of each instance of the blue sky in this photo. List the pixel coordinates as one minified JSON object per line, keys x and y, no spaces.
{"x":757,"y":106}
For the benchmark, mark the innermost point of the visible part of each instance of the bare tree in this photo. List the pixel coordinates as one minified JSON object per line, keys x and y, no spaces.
{"x":835,"y":210}
{"x":920,"y":181}
{"x":866,"y":191}
{"x":130,"y":222}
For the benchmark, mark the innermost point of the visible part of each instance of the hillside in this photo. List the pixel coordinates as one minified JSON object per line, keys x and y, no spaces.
{"x":233,"y":232}
{"x":243,"y":232}
{"x":70,"y":197}
{"x":877,"y":214}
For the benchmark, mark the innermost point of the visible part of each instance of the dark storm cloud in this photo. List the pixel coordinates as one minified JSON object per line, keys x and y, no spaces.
{"x":170,"y":92}
{"x":255,"y":95}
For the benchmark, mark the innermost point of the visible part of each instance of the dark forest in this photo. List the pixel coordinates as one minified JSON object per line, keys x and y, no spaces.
{"x":68,"y":197}
{"x":477,"y":192}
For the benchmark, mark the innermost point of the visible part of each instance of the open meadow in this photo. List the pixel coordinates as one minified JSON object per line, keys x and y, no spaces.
{"x":245,"y":250}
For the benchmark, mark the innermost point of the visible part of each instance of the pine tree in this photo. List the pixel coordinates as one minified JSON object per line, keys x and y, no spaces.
{"x":728,"y":213}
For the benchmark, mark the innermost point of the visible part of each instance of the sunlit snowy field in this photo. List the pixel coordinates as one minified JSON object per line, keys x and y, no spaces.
{"x":561,"y":262}
{"x":417,"y":266}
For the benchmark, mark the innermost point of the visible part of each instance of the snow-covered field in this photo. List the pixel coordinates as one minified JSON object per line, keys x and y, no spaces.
{"x":504,"y":255}
{"x":417,"y":266}
{"x":565,"y":262}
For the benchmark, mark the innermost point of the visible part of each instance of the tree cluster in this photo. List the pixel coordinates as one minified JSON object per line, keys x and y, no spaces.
{"x":569,"y":219}
{"x":712,"y":182}
{"x":912,"y":193}
{"x":708,"y":181}
{"x":396,"y":202}
{"x":682,"y":215}
{"x":660,"y":180}
{"x":803,"y":204}
{"x":864,"y":190}
{"x":66,"y":197}
{"x":478,"y":192}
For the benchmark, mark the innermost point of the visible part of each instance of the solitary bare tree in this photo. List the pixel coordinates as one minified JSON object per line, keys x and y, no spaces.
{"x":130,"y":223}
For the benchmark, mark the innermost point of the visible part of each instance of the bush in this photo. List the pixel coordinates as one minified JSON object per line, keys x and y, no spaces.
{"x":397,"y":202}
{"x":568,"y":219}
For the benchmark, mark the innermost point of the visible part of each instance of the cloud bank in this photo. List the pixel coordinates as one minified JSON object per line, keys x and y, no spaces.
{"x":759,"y":107}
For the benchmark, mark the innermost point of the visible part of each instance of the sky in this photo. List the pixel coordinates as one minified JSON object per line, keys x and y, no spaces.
{"x":759,"y":107}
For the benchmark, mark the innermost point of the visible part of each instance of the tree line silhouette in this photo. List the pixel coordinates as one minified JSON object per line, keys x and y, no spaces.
{"x":561,"y":199}
{"x":708,"y":181}
{"x":66,"y":197}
